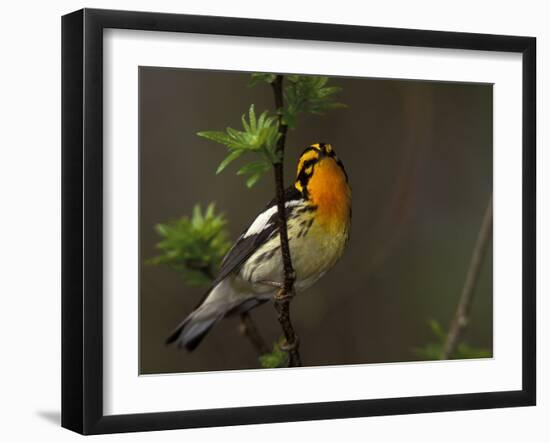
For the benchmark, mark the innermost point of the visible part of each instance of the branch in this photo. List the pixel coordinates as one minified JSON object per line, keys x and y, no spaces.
{"x":284,"y":295}
{"x":247,"y":326}
{"x":461,"y":318}
{"x":249,"y":330}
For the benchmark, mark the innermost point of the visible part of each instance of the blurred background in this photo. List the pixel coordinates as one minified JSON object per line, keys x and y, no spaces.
{"x":419,"y":158}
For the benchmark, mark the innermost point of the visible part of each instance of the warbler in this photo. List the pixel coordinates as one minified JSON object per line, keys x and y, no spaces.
{"x":318,"y":211}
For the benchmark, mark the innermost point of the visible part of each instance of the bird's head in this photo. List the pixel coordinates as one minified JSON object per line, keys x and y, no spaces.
{"x":319,"y":167}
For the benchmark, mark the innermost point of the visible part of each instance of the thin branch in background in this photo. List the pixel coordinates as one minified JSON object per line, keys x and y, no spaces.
{"x":248,"y":328}
{"x":285,"y":294}
{"x":461,"y":317}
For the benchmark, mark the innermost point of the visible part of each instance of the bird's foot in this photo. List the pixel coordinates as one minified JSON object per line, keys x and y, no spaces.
{"x":282,"y":296}
{"x":272,"y":283}
{"x":287,"y":347}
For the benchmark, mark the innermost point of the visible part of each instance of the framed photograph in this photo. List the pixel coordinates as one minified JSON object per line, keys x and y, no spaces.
{"x":269,"y":221}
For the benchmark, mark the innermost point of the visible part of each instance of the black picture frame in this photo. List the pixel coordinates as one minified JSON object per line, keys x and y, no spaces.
{"x":82,"y":220}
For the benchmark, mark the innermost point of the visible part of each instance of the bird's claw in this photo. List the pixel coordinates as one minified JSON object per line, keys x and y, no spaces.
{"x":281,"y":295}
{"x":272,"y":283}
{"x":287,"y":347}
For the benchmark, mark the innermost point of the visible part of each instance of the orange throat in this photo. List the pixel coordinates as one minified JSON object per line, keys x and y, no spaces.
{"x":329,"y":191}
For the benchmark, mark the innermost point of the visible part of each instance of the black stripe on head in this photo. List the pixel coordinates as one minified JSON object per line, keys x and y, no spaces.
{"x":305,"y":173}
{"x":325,"y":149}
{"x":306,"y":164}
{"x":308,"y":149}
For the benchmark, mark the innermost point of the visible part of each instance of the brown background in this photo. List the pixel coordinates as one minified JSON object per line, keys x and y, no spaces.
{"x":419,"y":158}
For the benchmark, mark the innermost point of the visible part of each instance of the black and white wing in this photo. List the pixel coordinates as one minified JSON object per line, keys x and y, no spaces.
{"x":264,"y":227}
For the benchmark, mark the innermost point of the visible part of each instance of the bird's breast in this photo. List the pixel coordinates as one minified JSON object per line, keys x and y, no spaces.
{"x":313,"y":248}
{"x":330,"y":194}
{"x":316,"y":252}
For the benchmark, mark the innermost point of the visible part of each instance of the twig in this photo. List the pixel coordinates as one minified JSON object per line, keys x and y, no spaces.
{"x":283,"y":296}
{"x":249,"y":330}
{"x":247,"y":327}
{"x":460,"y":320}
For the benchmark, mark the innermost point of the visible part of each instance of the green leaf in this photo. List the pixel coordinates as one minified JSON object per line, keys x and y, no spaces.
{"x":252,"y":119}
{"x":254,"y":167}
{"x":465,"y":351}
{"x":252,"y":180}
{"x":217,"y":136}
{"x":197,"y":219}
{"x":277,"y":358}
{"x":193,"y":246}
{"x":434,"y":351}
{"x":260,"y":78}
{"x":255,"y":170}
{"x":437,"y":330}
{"x":431,"y":351}
{"x":308,"y":94}
{"x":231,"y":157}
{"x":246,"y":126}
{"x":210,"y":211}
{"x":325,"y":92}
{"x":259,"y":135}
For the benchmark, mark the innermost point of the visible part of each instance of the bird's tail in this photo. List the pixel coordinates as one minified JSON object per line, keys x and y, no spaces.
{"x":218,"y":303}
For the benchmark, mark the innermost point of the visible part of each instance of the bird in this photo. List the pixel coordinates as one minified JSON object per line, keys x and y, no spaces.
{"x":318,"y":212}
